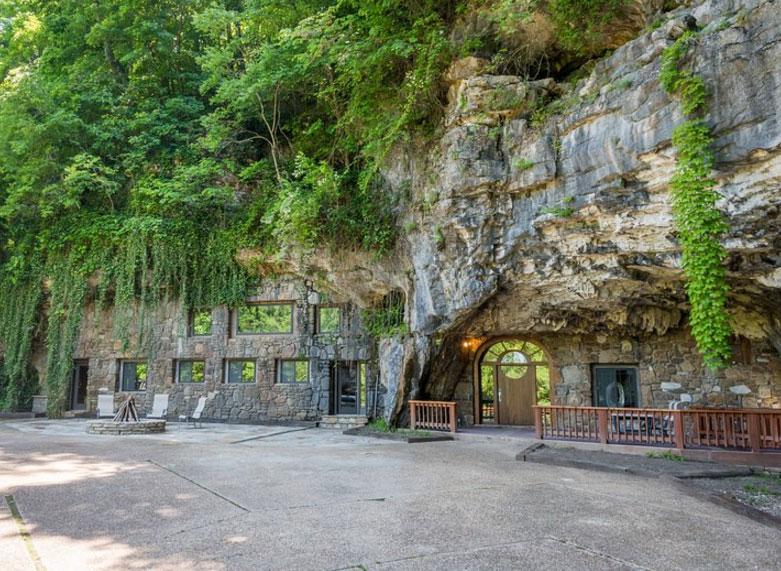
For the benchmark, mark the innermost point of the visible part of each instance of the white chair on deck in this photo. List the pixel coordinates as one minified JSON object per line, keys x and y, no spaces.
{"x":105,"y":405}
{"x":195,"y":416}
{"x":159,"y":406}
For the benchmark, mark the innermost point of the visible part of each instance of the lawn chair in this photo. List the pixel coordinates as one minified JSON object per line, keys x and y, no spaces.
{"x":159,"y":406}
{"x":195,"y":416}
{"x":106,"y":405}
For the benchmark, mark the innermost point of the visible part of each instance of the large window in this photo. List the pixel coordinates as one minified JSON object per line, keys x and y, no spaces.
{"x":240,"y":371}
{"x":265,"y":318}
{"x":133,"y":375}
{"x":293,"y":371}
{"x":190,"y":371}
{"x":328,"y":319}
{"x":201,"y":322}
{"x":616,"y":386}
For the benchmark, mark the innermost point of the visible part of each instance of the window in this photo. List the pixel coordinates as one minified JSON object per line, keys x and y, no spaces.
{"x":328,"y":319}
{"x":240,"y":371}
{"x":265,"y":318}
{"x":133,"y":375}
{"x":293,"y":371}
{"x":616,"y":386}
{"x":201,"y":322}
{"x":190,"y":371}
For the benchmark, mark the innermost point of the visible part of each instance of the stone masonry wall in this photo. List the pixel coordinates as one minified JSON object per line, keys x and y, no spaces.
{"x":263,"y":401}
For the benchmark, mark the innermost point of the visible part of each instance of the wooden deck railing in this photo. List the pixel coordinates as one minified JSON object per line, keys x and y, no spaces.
{"x":757,"y":430}
{"x":433,"y":415}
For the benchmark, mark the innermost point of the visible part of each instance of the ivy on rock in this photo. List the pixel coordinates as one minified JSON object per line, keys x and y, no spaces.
{"x":699,"y":223}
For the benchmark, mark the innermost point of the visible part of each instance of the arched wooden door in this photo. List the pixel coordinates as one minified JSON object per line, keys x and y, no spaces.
{"x":513,"y":376}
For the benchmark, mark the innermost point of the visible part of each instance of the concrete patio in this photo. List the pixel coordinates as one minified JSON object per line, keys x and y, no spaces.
{"x":271,"y":497}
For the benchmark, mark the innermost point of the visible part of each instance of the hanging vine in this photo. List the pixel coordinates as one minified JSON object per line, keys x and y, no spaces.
{"x":134,"y":267}
{"x":699,"y":223}
{"x":18,"y":320}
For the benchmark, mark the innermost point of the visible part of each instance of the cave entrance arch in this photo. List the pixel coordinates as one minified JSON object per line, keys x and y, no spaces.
{"x":511,"y":376}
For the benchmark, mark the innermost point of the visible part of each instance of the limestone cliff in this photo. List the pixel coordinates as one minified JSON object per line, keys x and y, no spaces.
{"x":563,"y":223}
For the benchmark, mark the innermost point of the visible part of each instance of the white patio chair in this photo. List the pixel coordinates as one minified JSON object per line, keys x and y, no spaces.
{"x":194,"y":416}
{"x":159,"y":406}
{"x":105,"y":405}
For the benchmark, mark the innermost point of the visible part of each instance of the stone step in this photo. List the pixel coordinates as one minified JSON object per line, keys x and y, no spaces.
{"x":343,"y":421}
{"x":78,"y":414}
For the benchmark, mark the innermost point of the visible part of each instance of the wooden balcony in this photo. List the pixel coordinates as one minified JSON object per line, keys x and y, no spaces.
{"x":744,"y":430}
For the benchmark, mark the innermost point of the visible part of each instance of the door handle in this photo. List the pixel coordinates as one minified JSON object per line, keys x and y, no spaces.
{"x":499,"y":392}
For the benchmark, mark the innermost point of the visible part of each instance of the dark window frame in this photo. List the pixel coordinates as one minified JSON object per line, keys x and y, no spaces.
{"x":616,"y":366}
{"x":278,"y":376}
{"x":177,"y":371}
{"x":235,"y":319}
{"x":226,"y":371}
{"x":121,"y":375}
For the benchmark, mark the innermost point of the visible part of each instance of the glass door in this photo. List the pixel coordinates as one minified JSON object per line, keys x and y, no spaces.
{"x":348,"y":387}
{"x":79,"y":385}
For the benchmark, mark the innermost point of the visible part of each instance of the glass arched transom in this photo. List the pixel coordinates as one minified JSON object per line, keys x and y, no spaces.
{"x":512,"y":359}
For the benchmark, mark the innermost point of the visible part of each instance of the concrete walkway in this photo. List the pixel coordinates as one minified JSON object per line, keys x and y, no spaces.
{"x":250,"y":497}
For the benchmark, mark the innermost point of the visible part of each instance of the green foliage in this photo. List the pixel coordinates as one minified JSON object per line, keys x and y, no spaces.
{"x":380,"y":425}
{"x":620,"y":85}
{"x":753,"y":489}
{"x":545,"y":109}
{"x":386,"y":319}
{"x":523,"y":164}
{"x":666,"y":455}
{"x":318,"y":205}
{"x":657,"y":23}
{"x":539,"y":38}
{"x":689,"y":87}
{"x":439,"y":237}
{"x":505,"y":98}
{"x":562,"y":210}
{"x":16,"y":393}
{"x":580,"y":24}
{"x":559,"y":211}
{"x":22,"y":297}
{"x":700,"y":225}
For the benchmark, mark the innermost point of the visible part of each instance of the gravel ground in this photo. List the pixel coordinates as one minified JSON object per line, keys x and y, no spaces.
{"x":655,"y":463}
{"x":761,"y":491}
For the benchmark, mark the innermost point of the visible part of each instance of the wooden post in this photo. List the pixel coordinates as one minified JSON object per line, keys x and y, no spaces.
{"x":754,"y":432}
{"x":452,"y":411}
{"x":412,"y":415}
{"x":538,"y":432}
{"x":679,"y":440}
{"x":602,"y":425}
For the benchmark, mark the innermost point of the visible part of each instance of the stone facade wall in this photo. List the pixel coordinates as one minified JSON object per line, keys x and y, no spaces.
{"x":266,"y":400}
{"x":659,"y":359}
